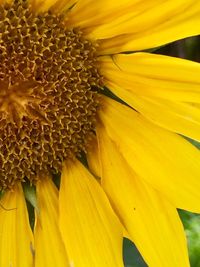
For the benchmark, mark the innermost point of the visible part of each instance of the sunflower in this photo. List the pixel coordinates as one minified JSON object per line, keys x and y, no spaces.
{"x":77,"y":102}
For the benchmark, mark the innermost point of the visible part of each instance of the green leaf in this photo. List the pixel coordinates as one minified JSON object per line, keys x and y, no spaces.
{"x":30,"y":195}
{"x":191,"y":224}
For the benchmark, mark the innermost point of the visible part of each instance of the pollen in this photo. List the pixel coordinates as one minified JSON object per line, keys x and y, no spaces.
{"x":49,"y":84}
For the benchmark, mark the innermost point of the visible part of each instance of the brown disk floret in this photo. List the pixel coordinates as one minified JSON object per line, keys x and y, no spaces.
{"x":48,"y":92}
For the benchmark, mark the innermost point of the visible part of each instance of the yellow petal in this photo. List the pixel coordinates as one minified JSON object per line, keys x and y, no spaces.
{"x":91,"y":230}
{"x":49,"y":246}
{"x":88,"y":13}
{"x":95,"y":167}
{"x":178,"y":117}
{"x":159,"y":22}
{"x":153,"y":75}
{"x":164,"y":159}
{"x":152,"y":222}
{"x":16,"y":242}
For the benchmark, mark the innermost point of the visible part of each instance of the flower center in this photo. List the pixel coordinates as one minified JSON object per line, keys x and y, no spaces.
{"x":48,"y":92}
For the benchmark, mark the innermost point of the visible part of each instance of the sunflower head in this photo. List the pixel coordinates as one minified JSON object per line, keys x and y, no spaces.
{"x":48,"y":99}
{"x":55,"y":55}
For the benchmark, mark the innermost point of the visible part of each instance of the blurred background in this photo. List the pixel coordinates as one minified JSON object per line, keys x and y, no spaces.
{"x":189,"y":49}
